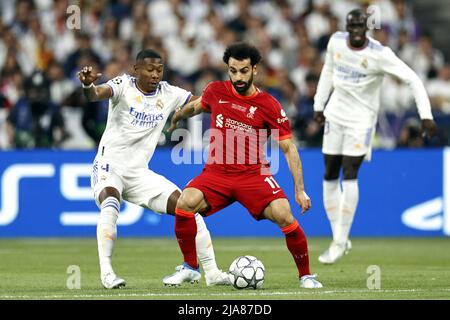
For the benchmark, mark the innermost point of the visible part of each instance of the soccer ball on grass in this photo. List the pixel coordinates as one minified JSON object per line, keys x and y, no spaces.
{"x":247,"y":272}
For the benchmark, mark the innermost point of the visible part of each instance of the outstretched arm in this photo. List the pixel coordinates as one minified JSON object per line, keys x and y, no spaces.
{"x":295,"y":166}
{"x":192,"y":108}
{"x":392,"y":65}
{"x":91,"y":91}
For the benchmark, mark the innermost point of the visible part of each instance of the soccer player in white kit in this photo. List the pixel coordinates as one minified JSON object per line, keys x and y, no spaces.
{"x":354,"y":68}
{"x":138,"y":110}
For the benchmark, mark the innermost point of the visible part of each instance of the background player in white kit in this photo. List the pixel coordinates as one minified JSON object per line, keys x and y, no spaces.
{"x":138,"y":110}
{"x":354,"y":69}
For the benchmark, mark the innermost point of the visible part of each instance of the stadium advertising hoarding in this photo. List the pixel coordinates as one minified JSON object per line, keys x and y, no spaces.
{"x":48,"y":194}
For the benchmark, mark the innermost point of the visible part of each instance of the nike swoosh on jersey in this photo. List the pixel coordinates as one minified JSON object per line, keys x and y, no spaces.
{"x":223,"y":101}
{"x":275,"y":192}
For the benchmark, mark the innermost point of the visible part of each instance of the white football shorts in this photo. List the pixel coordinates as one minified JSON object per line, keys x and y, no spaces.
{"x":341,"y":140}
{"x":142,"y":187}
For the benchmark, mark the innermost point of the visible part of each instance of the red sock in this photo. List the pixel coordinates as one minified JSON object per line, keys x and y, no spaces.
{"x":298,"y":246}
{"x":186,"y":230}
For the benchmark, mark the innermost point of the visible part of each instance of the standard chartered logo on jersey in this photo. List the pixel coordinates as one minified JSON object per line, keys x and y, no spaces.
{"x":219,"y":121}
{"x":231,"y":141}
{"x":434,"y":214}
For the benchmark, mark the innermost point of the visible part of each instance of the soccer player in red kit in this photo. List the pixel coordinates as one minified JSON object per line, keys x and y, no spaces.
{"x":241,"y":113}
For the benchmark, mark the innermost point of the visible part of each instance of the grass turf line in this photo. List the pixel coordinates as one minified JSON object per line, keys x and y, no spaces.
{"x":411,"y":268}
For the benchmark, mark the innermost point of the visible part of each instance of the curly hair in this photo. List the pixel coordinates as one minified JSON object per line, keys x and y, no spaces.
{"x":242,"y":51}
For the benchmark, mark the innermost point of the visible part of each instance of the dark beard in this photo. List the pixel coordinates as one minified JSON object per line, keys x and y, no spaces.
{"x":357,"y":43}
{"x":242,"y":90}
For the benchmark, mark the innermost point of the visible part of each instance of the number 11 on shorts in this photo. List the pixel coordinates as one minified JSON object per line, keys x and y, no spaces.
{"x":271,"y":181}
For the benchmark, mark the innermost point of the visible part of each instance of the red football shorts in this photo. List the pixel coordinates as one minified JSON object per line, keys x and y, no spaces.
{"x":251,"y":189}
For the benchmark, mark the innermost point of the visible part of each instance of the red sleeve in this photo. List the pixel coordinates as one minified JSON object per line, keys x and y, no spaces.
{"x":207,"y":97}
{"x":277,"y":121}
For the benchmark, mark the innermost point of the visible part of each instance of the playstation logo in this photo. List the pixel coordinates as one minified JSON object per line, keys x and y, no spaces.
{"x":434,"y":214}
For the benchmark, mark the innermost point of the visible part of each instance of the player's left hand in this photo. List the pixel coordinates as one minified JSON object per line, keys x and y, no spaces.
{"x":303,"y":200}
{"x":428,"y":128}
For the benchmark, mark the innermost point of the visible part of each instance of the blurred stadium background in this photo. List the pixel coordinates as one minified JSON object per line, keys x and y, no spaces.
{"x":49,"y":132}
{"x":36,"y":36}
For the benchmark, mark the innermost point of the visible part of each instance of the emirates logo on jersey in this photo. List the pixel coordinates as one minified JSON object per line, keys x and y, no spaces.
{"x":219,"y":121}
{"x":144,"y":119}
{"x":251,"y":113}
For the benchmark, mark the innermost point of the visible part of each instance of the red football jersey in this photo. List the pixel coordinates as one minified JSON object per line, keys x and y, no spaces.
{"x":240,"y":126}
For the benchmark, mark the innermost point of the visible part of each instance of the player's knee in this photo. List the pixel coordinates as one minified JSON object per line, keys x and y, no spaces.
{"x":351,"y":176}
{"x":331,"y":171}
{"x":350,"y":167}
{"x":172,"y":202}
{"x":284,"y":218}
{"x":332,"y":167}
{"x":188,"y":202}
{"x":109,"y":192}
{"x":350,"y":172}
{"x":331,"y":175}
{"x":184,"y":204}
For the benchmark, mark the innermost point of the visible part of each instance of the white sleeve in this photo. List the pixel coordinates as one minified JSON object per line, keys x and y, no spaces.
{"x":326,"y":80}
{"x":117,"y":84}
{"x":182,"y":96}
{"x":392,"y":65}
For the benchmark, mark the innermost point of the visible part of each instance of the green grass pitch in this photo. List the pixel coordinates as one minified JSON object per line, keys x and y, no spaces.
{"x":411,"y":268}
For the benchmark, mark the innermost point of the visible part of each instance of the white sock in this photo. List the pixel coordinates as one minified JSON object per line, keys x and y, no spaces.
{"x":205,"y":250}
{"x":331,"y":202}
{"x":107,"y":232}
{"x":350,"y":196}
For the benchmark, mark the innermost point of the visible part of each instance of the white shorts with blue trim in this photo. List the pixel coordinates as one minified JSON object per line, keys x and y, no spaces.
{"x":341,"y":140}
{"x":142,"y":187}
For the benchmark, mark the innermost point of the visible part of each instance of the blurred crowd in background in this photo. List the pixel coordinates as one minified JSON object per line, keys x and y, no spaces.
{"x":41,"y":101}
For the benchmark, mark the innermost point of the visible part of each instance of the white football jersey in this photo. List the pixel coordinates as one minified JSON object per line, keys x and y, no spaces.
{"x":136,"y":120}
{"x":355,"y":76}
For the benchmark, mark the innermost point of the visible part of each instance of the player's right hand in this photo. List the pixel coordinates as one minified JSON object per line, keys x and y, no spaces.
{"x":319,"y":117}
{"x":428,"y":128}
{"x":303,"y":200}
{"x":86,"y":76}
